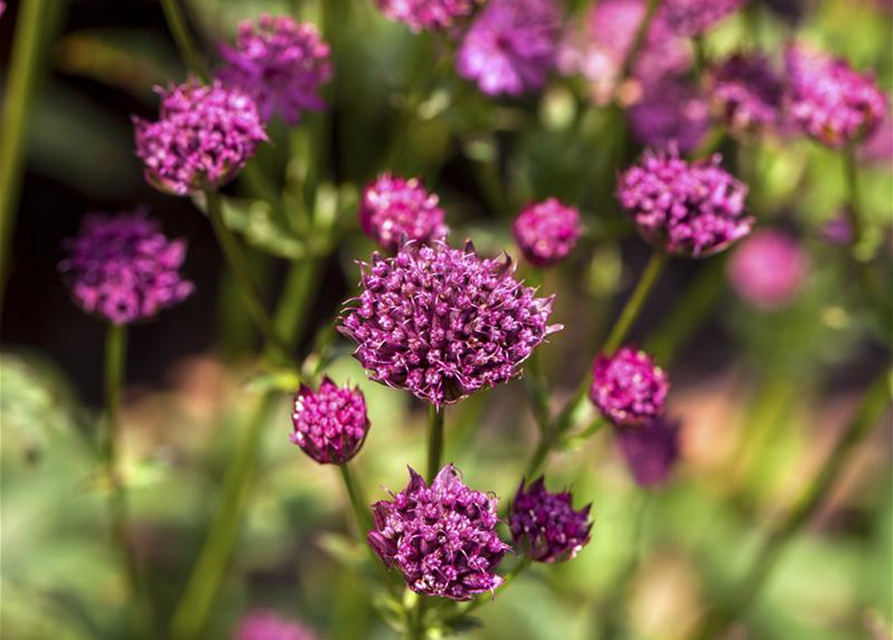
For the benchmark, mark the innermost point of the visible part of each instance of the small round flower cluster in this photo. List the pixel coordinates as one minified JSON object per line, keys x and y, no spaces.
{"x":330,"y":425}
{"x":281,"y":64}
{"x":203,"y":134}
{"x":426,"y":15}
{"x":545,"y":526}
{"x":747,"y":93}
{"x":442,"y":323}
{"x":768,"y":269}
{"x":395,"y":210}
{"x":687,"y":209}
{"x":628,"y":388}
{"x":442,"y":538}
{"x":547,"y":232}
{"x":261,"y":624}
{"x":693,"y":17}
{"x":124,"y":269}
{"x":650,"y":450}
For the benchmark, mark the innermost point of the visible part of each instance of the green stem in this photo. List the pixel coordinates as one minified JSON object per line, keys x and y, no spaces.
{"x":854,"y":210}
{"x":416,"y":620}
{"x":362,"y":514}
{"x":435,"y":440}
{"x":636,"y":300}
{"x":176,"y":23}
{"x":638,"y":42}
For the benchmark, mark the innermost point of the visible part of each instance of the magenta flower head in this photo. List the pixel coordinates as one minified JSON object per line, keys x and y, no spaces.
{"x":443,"y":323}
{"x":124,"y":269}
{"x":650,"y":449}
{"x":746,"y":93}
{"x":693,"y":210}
{"x":832,"y":102}
{"x":546,"y":232}
{"x":395,"y":210}
{"x":628,"y":387}
{"x":545,"y":526}
{"x":262,"y":624}
{"x":510,"y":47}
{"x":671,"y":113}
{"x":442,"y":538}
{"x":693,"y":17}
{"x":768,"y":269}
{"x":427,"y":15}
{"x":203,"y":134}
{"x":280,"y":63}
{"x":330,"y":425}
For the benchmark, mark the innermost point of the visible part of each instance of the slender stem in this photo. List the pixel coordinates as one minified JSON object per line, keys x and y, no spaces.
{"x":854,"y":210}
{"x":435,"y":440}
{"x":635,"y":49}
{"x":355,"y":493}
{"x":868,"y":416}
{"x":176,"y":22}
{"x":415,"y":629}
{"x":636,"y":300}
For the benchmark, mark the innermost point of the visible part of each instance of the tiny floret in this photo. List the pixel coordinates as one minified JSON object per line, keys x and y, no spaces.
{"x":746,"y":93}
{"x":442,"y":538}
{"x":546,"y":232}
{"x":330,"y":425}
{"x":395,"y":210}
{"x":768,"y":269}
{"x":426,"y":15}
{"x":263,"y":624}
{"x":627,"y":387}
{"x":650,"y":450}
{"x":545,"y":526}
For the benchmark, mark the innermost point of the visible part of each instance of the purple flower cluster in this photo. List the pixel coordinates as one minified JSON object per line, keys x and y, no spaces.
{"x":687,"y":209}
{"x":330,"y":425}
{"x":442,"y":323}
{"x":693,"y":17}
{"x":203,"y":134}
{"x":426,"y":15}
{"x":124,"y":269}
{"x":261,"y":624}
{"x":546,"y":232}
{"x":442,"y":538}
{"x":650,"y":450}
{"x":545,"y":526}
{"x":395,"y":210}
{"x":746,"y":93}
{"x":832,"y":102}
{"x":281,"y":64}
{"x":628,"y":388}
{"x":510,"y":48}
{"x":768,"y":269}
{"x":671,"y":113}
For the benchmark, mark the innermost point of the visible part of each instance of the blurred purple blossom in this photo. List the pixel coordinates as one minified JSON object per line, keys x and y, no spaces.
{"x":262,"y":624}
{"x":396,"y":209}
{"x":671,"y":113}
{"x":628,"y":388}
{"x":650,"y":449}
{"x":427,"y":15}
{"x":694,"y":17}
{"x":768,"y":269}
{"x":546,"y":232}
{"x":545,"y":526}
{"x":330,"y":425}
{"x":746,"y":93}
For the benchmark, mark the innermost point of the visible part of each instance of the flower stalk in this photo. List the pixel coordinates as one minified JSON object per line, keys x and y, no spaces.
{"x":435,"y":440}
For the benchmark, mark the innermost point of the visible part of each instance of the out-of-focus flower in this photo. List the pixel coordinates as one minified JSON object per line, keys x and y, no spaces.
{"x":330,"y":425}
{"x":442,"y":538}
{"x":203,"y":134}
{"x":746,"y":93}
{"x":838,"y":230}
{"x":545,"y":526}
{"x":627,"y":387}
{"x":426,"y":15}
{"x":671,"y":113}
{"x":650,"y":449}
{"x":280,"y":63}
{"x":443,"y":323}
{"x":395,"y":210}
{"x":2,"y":8}
{"x":124,"y":269}
{"x":693,"y":17}
{"x":510,"y":47}
{"x":768,"y":269}
{"x":547,"y":232}
{"x":878,"y":147}
{"x":832,"y":102}
{"x":261,"y":624}
{"x":693,"y":210}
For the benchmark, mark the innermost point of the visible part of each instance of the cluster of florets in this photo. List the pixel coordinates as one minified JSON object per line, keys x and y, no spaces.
{"x":330,"y":425}
{"x":832,"y":102}
{"x":546,"y":232}
{"x":427,"y":15}
{"x":204,"y":135}
{"x":545,"y":526}
{"x":262,"y":624}
{"x":442,"y":538}
{"x":124,"y":269}
{"x":693,"y":17}
{"x":395,"y":210}
{"x":442,"y":323}
{"x":510,"y":48}
{"x":747,"y":93}
{"x":650,"y":449}
{"x":687,"y":209}
{"x":768,"y":269}
{"x":671,"y":113}
{"x":280,"y":63}
{"x":628,"y":387}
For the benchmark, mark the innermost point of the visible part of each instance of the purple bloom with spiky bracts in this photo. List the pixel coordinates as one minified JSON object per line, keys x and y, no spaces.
{"x":628,"y":387}
{"x":689,"y":209}
{"x":546,"y":232}
{"x":693,"y":17}
{"x":281,"y":64}
{"x":830,"y":100}
{"x":124,"y":269}
{"x":510,"y":47}
{"x":671,"y":113}
{"x":768,"y":269}
{"x":263,"y":624}
{"x":747,"y":93}
{"x":442,"y":538}
{"x":395,"y":210}
{"x":545,"y":526}
{"x":650,"y":449}
{"x":443,"y":323}
{"x":330,"y":425}
{"x":204,"y":134}
{"x":427,"y":15}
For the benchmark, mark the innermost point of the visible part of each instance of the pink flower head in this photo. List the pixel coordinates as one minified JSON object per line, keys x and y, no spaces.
{"x":395,"y":210}
{"x":747,"y":93}
{"x":330,"y":425}
{"x":671,"y":113}
{"x":693,"y":17}
{"x":545,"y":526}
{"x":650,"y":449}
{"x":427,"y":15}
{"x":547,"y":232}
{"x":261,"y":624}
{"x":627,"y":387}
{"x":768,"y":269}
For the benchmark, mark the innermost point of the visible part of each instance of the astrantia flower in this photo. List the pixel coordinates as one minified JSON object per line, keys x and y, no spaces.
{"x":510,"y":47}
{"x":693,"y":209}
{"x":261,"y":624}
{"x":203,"y":133}
{"x":442,"y":323}
{"x":426,"y":15}
{"x":281,"y":64}
{"x":545,"y":526}
{"x":330,"y":425}
{"x":671,"y":113}
{"x":692,"y":17}
{"x":747,"y":93}
{"x":547,"y":232}
{"x":650,"y":450}
{"x":442,"y":538}
{"x":831,"y":102}
{"x":768,"y":269}
{"x":627,"y":387}
{"x":395,"y":210}
{"x":124,"y":269}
